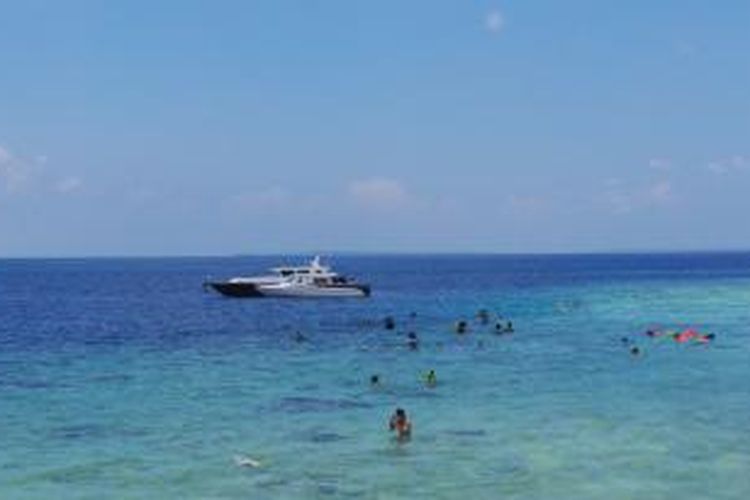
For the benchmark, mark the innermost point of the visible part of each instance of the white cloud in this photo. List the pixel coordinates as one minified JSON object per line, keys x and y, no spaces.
{"x":14,"y":173}
{"x":378,"y":193}
{"x":660,"y":163}
{"x":68,"y":185}
{"x":624,"y":200}
{"x":734,"y":163}
{"x":621,"y":203}
{"x":494,"y":21}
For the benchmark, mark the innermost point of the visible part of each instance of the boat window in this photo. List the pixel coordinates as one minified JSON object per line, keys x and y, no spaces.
{"x":286,"y":272}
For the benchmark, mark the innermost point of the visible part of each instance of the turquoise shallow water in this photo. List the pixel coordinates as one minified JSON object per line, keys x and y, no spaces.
{"x":123,"y":379}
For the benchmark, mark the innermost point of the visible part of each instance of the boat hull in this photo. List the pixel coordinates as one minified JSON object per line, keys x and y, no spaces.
{"x":354,"y":291}
{"x":256,"y":290}
{"x":229,"y":289}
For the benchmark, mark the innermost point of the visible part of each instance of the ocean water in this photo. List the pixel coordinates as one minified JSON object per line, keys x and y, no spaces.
{"x":123,"y":378}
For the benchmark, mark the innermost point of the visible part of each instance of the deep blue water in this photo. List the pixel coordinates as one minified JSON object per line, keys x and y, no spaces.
{"x":123,"y":378}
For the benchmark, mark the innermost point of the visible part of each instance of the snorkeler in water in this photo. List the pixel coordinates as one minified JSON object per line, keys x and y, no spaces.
{"x":681,"y":336}
{"x":430,"y":379}
{"x":412,"y":341}
{"x":705,"y":339}
{"x":685,"y":335}
{"x":389,"y":323}
{"x":400,"y":423}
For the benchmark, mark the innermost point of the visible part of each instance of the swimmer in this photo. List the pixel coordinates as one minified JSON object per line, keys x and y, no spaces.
{"x":461,"y":326}
{"x":375,"y":380}
{"x":705,"y":339}
{"x":413,"y":341}
{"x":431,"y":379}
{"x":499,"y":328}
{"x":400,"y":424}
{"x":299,"y":338}
{"x":635,"y":351}
{"x":389,"y":323}
{"x":509,"y":327}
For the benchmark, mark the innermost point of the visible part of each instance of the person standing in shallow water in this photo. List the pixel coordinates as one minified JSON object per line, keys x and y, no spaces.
{"x":400,"y":424}
{"x":430,"y":379}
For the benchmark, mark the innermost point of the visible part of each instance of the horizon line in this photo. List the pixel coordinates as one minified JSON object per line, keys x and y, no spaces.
{"x":387,"y":253}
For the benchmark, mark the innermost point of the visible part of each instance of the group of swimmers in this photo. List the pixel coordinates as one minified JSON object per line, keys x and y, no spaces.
{"x":399,"y":421}
{"x":484,"y":317}
{"x":461,"y":326}
{"x":688,"y":335}
{"x":682,"y":336}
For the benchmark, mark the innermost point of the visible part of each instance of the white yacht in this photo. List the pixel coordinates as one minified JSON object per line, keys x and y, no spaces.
{"x":313,"y":280}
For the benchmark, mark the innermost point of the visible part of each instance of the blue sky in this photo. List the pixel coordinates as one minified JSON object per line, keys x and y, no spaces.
{"x":187,"y":127}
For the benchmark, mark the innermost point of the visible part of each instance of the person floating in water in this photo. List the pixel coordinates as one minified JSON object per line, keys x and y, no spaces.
{"x":412,"y":341}
{"x":683,"y":336}
{"x":690,"y":334}
{"x":400,"y":424}
{"x":430,"y":379}
{"x":635,"y":351}
{"x":461,"y":326}
{"x":375,"y":380}
{"x":509,"y":327}
{"x":389,"y":323}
